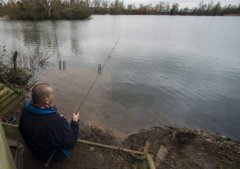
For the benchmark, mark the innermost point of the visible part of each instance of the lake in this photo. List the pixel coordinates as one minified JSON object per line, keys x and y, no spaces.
{"x":181,"y":71}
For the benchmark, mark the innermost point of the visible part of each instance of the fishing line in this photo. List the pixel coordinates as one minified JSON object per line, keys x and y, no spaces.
{"x":100,"y":68}
{"x":95,"y":80}
{"x":85,"y":98}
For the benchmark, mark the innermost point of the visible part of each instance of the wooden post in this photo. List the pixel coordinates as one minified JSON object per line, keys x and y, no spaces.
{"x":147,"y":147}
{"x":150,"y":162}
{"x":14,"y":59}
{"x":161,"y":155}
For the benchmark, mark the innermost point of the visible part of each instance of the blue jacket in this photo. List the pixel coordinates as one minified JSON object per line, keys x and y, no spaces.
{"x":44,"y":131}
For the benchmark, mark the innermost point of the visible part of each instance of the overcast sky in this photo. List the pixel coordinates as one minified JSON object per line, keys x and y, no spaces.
{"x":183,"y":3}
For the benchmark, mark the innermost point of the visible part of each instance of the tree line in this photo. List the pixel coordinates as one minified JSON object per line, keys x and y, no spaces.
{"x":80,"y":9}
{"x":45,"y":9}
{"x":162,"y":8}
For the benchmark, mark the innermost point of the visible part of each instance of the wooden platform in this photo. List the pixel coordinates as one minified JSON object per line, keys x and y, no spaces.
{"x":8,"y":99}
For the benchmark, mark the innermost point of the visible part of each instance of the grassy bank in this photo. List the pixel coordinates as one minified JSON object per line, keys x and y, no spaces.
{"x":17,"y":68}
{"x":10,"y":74}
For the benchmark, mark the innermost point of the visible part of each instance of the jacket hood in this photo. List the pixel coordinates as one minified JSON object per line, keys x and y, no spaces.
{"x":39,"y":111}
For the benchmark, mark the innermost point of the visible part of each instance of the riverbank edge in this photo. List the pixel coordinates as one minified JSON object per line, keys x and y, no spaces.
{"x":183,"y":147}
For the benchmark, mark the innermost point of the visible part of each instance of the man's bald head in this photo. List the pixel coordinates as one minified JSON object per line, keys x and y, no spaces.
{"x":41,"y":93}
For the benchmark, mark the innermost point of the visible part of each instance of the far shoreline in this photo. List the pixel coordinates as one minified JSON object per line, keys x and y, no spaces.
{"x":90,"y":17}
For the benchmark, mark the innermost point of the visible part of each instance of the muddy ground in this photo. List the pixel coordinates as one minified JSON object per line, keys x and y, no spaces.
{"x":190,"y":149}
{"x":187,"y":149}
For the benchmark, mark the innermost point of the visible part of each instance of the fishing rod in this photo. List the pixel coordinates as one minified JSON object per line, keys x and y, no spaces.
{"x":100,"y":68}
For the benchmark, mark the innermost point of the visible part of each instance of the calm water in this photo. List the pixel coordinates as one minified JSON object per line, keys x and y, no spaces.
{"x":165,"y":70}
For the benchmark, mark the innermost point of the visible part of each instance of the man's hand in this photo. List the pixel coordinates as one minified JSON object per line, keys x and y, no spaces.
{"x":63,"y":116}
{"x":76,"y":116}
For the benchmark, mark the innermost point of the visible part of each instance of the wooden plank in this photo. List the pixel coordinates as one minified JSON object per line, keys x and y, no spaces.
{"x":110,"y":147}
{"x":1,"y":86}
{"x":7,"y":102}
{"x":12,"y":105}
{"x":6,"y":96}
{"x":3,"y":91}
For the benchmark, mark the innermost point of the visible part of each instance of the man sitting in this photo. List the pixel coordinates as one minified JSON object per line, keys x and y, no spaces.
{"x":46,"y":132}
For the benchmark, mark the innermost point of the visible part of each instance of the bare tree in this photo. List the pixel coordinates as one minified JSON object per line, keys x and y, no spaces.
{"x":167,"y":7}
{"x":46,"y":6}
{"x":174,"y":8}
{"x":217,"y":8}
{"x":105,"y":4}
{"x":210,"y":5}
{"x":96,"y":3}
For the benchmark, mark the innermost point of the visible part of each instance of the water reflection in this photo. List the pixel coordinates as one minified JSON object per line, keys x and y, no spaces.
{"x":31,"y":33}
{"x":62,"y":65}
{"x":74,"y":37}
